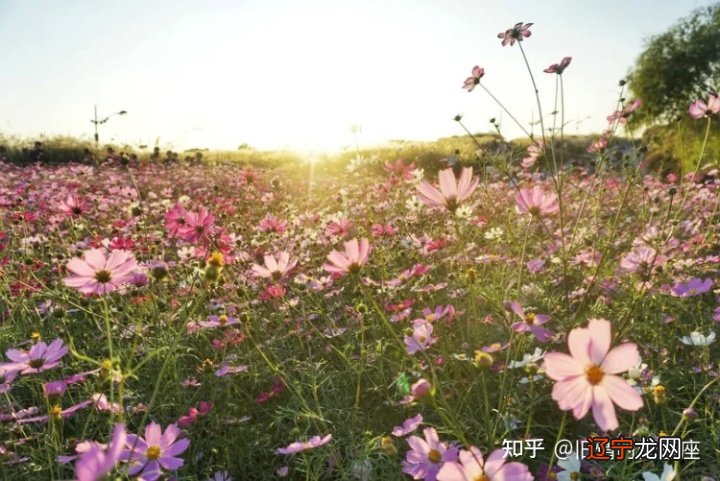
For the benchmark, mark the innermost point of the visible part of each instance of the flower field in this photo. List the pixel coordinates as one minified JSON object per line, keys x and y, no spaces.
{"x":388,"y":322}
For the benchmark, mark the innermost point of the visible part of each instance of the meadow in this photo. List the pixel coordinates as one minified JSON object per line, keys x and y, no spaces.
{"x":366,"y":317}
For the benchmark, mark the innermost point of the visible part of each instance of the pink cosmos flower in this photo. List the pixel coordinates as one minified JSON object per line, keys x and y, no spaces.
{"x":559,"y":68}
{"x":41,"y":357}
{"x":621,"y":116}
{"x":299,"y":446}
{"x":74,"y":206}
{"x":700,"y":109}
{"x":408,"y":426}
{"x":421,"y":337}
{"x":340,"y":228}
{"x":693,"y":287}
{"x":598,"y":145}
{"x":400,"y":169}
{"x":588,"y":376}
{"x":98,"y":274}
{"x":275,"y":267}
{"x":472,"y":467}
{"x":270,"y":223}
{"x":531,"y":322}
{"x":640,"y":259}
{"x":379,"y":230}
{"x":517,"y":33}
{"x":199,"y":226}
{"x":175,"y":220}
{"x":356,"y":255}
{"x":97,"y":461}
{"x":158,"y":451}
{"x":426,"y":456}
{"x":536,"y":202}
{"x":451,"y":193}
{"x":534,"y":150}
{"x":7,"y":376}
{"x":216,"y":321}
{"x":474,"y":79}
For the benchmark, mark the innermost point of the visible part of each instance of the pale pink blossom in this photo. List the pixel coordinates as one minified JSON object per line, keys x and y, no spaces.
{"x":588,"y":377}
{"x":452,"y":192}
{"x":356,"y":255}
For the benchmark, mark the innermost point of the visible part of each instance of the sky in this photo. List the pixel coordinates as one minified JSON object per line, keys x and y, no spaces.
{"x":300,"y":74}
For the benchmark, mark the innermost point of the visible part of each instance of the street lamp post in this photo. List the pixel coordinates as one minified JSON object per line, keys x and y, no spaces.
{"x":97,"y":122}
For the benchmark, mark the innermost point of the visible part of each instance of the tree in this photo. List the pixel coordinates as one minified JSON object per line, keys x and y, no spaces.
{"x":678,"y":66}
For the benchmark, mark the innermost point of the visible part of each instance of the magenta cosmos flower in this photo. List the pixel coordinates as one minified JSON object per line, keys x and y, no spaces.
{"x":156,"y":452}
{"x":531,"y":322}
{"x":517,"y":33}
{"x":299,"y":446}
{"x":198,"y":226}
{"x":474,"y":78}
{"x":693,"y":287}
{"x":41,"y":357}
{"x":408,"y":426}
{"x":700,"y":109}
{"x":356,"y":255}
{"x":175,"y":220}
{"x":451,"y":193}
{"x":426,"y":456}
{"x":536,"y":202}
{"x":472,"y":467}
{"x":74,"y":206}
{"x":98,"y":274}
{"x":275,"y":267}
{"x":588,"y":377}
{"x":97,"y":461}
{"x":559,"y":68}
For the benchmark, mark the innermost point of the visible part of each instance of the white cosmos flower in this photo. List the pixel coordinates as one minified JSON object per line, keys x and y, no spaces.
{"x":570,"y":466}
{"x":698,"y":339}
{"x":668,"y":474}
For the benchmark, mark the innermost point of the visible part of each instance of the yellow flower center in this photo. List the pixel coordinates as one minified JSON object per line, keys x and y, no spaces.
{"x":594,"y":375}
{"x":103,"y":277}
{"x":223,"y":320}
{"x":530,"y":317}
{"x":574,"y":476}
{"x":481,"y":477}
{"x":422,"y":339}
{"x":434,"y":456}
{"x":153,"y":452}
{"x":56,"y":412}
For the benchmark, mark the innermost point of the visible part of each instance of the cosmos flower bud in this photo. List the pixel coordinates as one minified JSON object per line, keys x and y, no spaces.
{"x":420,"y":389}
{"x":483,"y":360}
{"x":212,"y":272}
{"x":159,"y":270}
{"x":659,"y":394}
{"x":361,"y":308}
{"x":388,"y":446}
{"x":690,"y":414}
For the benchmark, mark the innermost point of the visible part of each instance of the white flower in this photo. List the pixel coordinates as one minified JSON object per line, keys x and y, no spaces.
{"x":636,"y":371}
{"x":668,"y":474}
{"x":494,"y":233}
{"x":413,"y":204}
{"x":418,"y":175}
{"x":698,"y":339}
{"x":527,"y":359}
{"x":570,"y":466}
{"x":464,"y":212}
{"x":185,"y":253}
